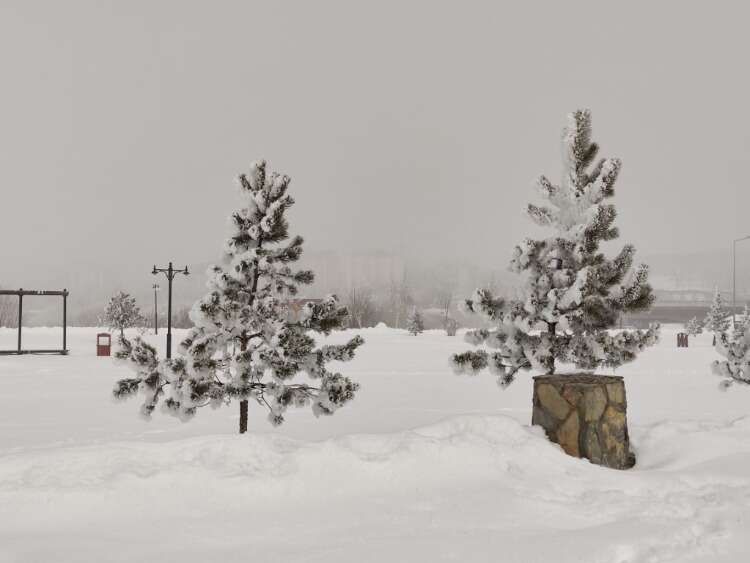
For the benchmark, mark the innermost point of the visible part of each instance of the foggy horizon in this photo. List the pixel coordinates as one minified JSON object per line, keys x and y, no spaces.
{"x":126,"y":124}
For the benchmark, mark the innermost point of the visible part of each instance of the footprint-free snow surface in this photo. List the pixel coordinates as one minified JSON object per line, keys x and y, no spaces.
{"x":423,"y":466}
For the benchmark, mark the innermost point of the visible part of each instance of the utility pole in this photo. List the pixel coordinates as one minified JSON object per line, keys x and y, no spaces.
{"x":156,"y":314}
{"x":734,"y":273}
{"x":170,"y":272}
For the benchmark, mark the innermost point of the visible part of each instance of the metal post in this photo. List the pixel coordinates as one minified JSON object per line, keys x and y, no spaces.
{"x":734,"y":273}
{"x":169,"y":312}
{"x":734,"y":278}
{"x":20,"y":317}
{"x":65,"y":321}
{"x":156,"y":313}
{"x":170,"y":272}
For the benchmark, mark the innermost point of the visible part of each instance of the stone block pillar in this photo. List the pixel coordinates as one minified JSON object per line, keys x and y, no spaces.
{"x":586,"y":415}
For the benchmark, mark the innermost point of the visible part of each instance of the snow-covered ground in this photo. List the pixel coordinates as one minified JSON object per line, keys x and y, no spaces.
{"x":422,"y":466}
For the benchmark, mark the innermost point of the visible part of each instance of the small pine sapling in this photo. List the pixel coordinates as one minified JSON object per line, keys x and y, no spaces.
{"x":451,"y":326}
{"x":245,"y":344}
{"x":414,"y":322}
{"x":717,"y":319}
{"x":694,"y":327}
{"x":573,"y":293}
{"x":122,"y":312}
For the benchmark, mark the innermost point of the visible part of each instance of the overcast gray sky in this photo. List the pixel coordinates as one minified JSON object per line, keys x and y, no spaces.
{"x":407,"y":126}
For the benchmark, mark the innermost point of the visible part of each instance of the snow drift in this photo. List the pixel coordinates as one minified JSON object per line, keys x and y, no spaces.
{"x":472,"y":488}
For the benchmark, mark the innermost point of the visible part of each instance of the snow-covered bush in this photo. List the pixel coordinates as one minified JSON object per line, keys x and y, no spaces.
{"x":414,"y":322}
{"x":572,"y":293}
{"x":244,"y":345}
{"x":717,"y":319}
{"x":122,"y":312}
{"x":694,"y":327}
{"x":736,"y":350}
{"x":743,"y":322}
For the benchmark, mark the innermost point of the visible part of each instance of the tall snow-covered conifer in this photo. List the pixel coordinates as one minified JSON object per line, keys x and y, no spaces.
{"x":573,"y":293}
{"x":244,"y":345}
{"x":717,"y":319}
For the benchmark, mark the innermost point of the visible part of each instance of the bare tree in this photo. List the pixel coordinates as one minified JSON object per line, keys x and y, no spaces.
{"x":444,"y":299}
{"x":399,"y":299}
{"x":361,"y":307}
{"x":181,"y":318}
{"x":9,"y":311}
{"x":443,"y":293}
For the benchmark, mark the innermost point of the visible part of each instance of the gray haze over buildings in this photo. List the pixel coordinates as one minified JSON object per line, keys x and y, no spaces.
{"x":412,"y":130}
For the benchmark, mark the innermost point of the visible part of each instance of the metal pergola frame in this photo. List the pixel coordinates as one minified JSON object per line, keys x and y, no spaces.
{"x":20,"y":293}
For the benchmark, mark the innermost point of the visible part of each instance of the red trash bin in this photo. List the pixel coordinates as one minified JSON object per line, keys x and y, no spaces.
{"x":103,"y":344}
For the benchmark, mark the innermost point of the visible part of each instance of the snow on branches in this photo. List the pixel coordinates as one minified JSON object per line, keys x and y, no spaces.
{"x":743,"y":323}
{"x":572,"y":293}
{"x":244,"y":344}
{"x":414,"y":322}
{"x":121,"y":312}
{"x":717,"y":319}
{"x":694,"y":327}
{"x":736,"y":367}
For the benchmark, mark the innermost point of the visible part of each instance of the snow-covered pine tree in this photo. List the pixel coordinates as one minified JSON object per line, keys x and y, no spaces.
{"x":122,"y":312}
{"x":717,"y":319}
{"x":694,"y":327}
{"x":573,"y":293}
{"x":414,"y":322}
{"x":451,"y":326}
{"x":736,"y":350}
{"x":244,"y":345}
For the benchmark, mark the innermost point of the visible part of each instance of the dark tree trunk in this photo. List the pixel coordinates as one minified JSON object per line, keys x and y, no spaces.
{"x":243,"y":402}
{"x":244,"y":339}
{"x":243,"y":416}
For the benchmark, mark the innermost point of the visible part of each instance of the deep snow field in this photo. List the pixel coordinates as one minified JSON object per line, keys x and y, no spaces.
{"x":424,"y":465}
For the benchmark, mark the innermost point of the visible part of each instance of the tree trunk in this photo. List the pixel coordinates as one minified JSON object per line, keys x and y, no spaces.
{"x":586,"y":415}
{"x":244,"y":339}
{"x":243,"y":416}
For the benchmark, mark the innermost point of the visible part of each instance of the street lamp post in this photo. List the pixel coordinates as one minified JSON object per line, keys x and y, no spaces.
{"x":156,"y":313}
{"x":170,"y":272}
{"x":734,"y":273}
